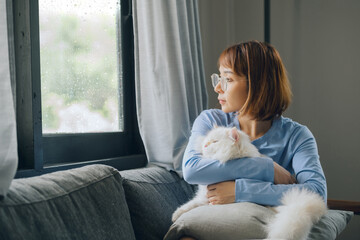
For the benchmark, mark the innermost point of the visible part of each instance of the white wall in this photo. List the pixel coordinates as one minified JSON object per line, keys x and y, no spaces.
{"x":319,"y":43}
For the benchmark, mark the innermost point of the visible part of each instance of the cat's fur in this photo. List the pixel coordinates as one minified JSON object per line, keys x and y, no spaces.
{"x":300,"y":208}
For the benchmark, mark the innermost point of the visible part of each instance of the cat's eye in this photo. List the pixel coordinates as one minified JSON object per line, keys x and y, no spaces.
{"x":210,"y":142}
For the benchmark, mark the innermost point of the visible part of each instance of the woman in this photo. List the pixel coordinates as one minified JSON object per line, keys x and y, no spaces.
{"x":254,"y":91}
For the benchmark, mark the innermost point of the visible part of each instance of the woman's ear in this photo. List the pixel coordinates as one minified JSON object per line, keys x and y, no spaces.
{"x":234,"y":134}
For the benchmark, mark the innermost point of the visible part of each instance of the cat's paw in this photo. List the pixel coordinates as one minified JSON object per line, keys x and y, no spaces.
{"x":177,"y":214}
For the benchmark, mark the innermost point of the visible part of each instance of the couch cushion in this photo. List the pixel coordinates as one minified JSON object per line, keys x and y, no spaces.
{"x":227,"y":222}
{"x":82,"y":203}
{"x":331,"y":225}
{"x":246,"y":221}
{"x":153,"y":194}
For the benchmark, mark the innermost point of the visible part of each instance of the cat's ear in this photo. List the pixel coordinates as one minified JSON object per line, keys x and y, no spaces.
{"x":234,"y":134}
{"x":215,"y":125}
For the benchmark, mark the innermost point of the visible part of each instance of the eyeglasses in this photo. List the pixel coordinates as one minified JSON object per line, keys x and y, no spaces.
{"x":215,"y":78}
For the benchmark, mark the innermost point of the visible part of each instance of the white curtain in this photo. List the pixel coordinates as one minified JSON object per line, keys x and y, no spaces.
{"x":8,"y":142}
{"x":169,"y":74}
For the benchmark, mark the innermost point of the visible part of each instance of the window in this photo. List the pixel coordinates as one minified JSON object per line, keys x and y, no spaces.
{"x":81,"y":85}
{"x":75,"y":93}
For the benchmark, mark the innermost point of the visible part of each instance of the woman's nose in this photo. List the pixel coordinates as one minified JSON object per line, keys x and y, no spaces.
{"x":218,"y":88}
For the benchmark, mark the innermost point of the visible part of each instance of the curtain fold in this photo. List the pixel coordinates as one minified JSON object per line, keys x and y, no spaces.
{"x":8,"y":138}
{"x":169,"y":76}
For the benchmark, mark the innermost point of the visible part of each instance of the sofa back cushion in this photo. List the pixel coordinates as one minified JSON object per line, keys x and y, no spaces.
{"x":153,"y":194}
{"x":82,"y":203}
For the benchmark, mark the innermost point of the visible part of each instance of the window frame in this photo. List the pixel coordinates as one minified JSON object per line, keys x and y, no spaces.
{"x":42,"y":153}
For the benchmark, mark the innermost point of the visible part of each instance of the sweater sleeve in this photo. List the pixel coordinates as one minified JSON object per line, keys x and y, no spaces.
{"x":198,"y":170}
{"x":306,"y":166}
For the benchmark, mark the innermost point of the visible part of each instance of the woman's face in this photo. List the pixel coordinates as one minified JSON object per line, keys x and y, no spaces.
{"x":235,"y":96}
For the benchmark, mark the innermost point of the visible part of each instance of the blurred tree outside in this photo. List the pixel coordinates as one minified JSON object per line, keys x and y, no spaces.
{"x":79,"y":71}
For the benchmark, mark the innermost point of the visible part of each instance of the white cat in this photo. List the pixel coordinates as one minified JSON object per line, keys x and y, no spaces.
{"x":300,"y":209}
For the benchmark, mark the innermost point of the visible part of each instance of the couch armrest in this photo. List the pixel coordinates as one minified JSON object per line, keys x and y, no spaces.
{"x":352,"y":206}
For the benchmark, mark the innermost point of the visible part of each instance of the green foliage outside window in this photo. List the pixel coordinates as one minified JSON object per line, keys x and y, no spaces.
{"x":79,"y":62}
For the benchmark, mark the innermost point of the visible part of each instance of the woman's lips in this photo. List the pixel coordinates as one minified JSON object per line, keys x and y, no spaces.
{"x":221,"y":101}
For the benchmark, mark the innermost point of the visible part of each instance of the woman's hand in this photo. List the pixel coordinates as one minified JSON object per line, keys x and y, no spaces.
{"x":221,"y":193}
{"x":282,"y":176}
{"x":224,"y":192}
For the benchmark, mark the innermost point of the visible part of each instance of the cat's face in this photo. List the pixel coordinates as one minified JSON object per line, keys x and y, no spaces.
{"x":219,"y":139}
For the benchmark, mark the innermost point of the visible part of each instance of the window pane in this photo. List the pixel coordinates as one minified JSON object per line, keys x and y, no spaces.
{"x":81,"y":88}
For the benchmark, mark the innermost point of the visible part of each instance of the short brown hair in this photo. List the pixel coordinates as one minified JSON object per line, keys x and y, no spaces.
{"x":269,"y":91}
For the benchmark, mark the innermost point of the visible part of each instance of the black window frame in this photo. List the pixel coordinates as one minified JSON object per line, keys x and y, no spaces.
{"x":42,"y":153}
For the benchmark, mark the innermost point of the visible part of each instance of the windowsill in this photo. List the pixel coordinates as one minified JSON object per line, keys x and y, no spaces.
{"x":120,"y":163}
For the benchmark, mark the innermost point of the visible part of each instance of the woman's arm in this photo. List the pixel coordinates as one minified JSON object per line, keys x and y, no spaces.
{"x":306,"y":165}
{"x":225,"y":192}
{"x":197,"y":170}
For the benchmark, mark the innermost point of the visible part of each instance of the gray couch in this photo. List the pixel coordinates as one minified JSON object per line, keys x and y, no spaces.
{"x":93,"y":202}
{"x":96,"y":202}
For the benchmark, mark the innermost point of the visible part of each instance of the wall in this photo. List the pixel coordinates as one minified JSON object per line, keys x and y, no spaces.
{"x":224,"y":23}
{"x":318,"y":41}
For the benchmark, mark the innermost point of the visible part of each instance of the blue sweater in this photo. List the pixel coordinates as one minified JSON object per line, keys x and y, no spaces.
{"x":288,"y":143}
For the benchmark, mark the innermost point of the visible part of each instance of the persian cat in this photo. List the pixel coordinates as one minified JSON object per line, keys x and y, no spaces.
{"x":300,"y":208}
